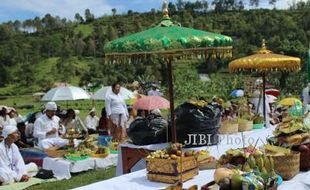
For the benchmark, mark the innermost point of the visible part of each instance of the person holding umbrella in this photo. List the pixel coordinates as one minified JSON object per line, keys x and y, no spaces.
{"x":117,"y":113}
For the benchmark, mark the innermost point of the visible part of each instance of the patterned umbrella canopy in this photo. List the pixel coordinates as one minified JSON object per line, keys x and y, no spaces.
{"x":264,"y":61}
{"x":169,"y":37}
{"x":151,"y":103}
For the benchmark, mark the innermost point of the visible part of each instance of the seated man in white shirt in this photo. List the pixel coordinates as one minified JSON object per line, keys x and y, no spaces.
{"x":12,"y":165}
{"x":92,"y":121}
{"x":154,"y":91}
{"x":46,"y":128}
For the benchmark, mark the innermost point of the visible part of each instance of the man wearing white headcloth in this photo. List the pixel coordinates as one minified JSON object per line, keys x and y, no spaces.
{"x":92,"y":121}
{"x":46,"y":128}
{"x":12,"y":166}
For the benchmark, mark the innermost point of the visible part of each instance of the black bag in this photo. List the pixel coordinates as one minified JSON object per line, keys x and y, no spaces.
{"x":203,"y":123}
{"x":44,"y":174}
{"x":145,"y":131}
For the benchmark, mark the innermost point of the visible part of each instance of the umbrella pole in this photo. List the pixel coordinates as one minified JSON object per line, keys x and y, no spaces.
{"x":170,"y":86}
{"x":264,"y":98}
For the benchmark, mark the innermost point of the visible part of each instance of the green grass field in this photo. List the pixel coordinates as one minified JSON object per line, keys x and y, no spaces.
{"x":77,"y":180}
{"x":35,"y":105}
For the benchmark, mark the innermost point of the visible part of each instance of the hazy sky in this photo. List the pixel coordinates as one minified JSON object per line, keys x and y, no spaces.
{"x":24,"y":9}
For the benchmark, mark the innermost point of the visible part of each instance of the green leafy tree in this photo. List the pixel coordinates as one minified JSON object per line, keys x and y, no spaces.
{"x":5,"y":32}
{"x":114,"y":11}
{"x":80,"y":45}
{"x":91,"y":47}
{"x":17,"y":25}
{"x":89,"y":17}
{"x":78,"y":18}
{"x":4,"y":76}
{"x":111,"y":33}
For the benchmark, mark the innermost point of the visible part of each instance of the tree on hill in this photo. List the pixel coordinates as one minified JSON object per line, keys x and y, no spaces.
{"x":17,"y":25}
{"x":78,"y":18}
{"x":111,"y":33}
{"x":91,"y":47}
{"x":89,"y":17}
{"x":114,"y":11}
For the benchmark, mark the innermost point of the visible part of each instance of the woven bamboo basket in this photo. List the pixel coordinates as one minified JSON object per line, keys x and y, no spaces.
{"x":171,"y":171}
{"x":228,"y":127}
{"x":245,"y":125}
{"x":54,"y":153}
{"x":173,"y":179}
{"x":206,"y":165}
{"x":166,"y":166}
{"x":287,"y":166}
{"x":304,"y":156}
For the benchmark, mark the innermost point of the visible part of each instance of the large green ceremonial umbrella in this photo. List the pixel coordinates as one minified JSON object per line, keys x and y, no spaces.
{"x":170,"y":42}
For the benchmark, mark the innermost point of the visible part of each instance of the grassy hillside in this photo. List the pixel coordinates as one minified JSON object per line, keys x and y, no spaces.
{"x":46,"y":73}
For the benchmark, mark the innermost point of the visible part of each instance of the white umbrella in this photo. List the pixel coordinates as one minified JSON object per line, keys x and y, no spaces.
{"x":237,"y":93}
{"x":104,"y":91}
{"x":65,"y":93}
{"x":271,"y":99}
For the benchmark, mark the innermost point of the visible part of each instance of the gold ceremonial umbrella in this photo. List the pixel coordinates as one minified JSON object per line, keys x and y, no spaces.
{"x":264,"y":61}
{"x":290,"y":101}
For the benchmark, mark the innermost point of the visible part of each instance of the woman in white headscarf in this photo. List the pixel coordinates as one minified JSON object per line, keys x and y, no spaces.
{"x":12,"y":165}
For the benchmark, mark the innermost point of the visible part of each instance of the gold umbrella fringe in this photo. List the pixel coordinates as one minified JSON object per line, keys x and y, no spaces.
{"x":265,"y":70}
{"x":292,"y":64}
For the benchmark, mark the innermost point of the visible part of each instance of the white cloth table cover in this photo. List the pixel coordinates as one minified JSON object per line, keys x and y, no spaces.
{"x":226,"y":142}
{"x":111,"y":160}
{"x":138,"y":181}
{"x":63,"y":168}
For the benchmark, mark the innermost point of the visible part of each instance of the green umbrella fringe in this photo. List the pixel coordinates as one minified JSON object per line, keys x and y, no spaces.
{"x":200,"y":53}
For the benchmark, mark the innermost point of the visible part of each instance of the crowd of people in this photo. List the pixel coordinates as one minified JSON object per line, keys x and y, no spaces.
{"x":47,"y":128}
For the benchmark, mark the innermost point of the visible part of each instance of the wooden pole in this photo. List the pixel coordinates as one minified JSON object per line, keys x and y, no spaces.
{"x":171,"y":98}
{"x":264,"y":98}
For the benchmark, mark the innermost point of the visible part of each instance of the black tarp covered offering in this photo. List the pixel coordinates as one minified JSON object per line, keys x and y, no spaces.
{"x":149,"y":130}
{"x":197,"y":126}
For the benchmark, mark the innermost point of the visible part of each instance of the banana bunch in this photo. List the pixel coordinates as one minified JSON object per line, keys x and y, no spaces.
{"x":276,"y":150}
{"x":263,"y":164}
{"x":113,"y":146}
{"x":203,"y":152}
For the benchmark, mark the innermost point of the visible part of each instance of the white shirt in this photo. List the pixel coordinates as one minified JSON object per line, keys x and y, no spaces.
{"x":92,"y":122}
{"x":12,"y":121}
{"x":154,"y":93}
{"x":11,"y":162}
{"x":305,"y":95}
{"x":43,"y":125}
{"x":115,"y":104}
{"x":4,"y":121}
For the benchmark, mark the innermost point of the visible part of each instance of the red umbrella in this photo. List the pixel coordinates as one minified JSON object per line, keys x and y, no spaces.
{"x":151,"y":103}
{"x":273,"y":92}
